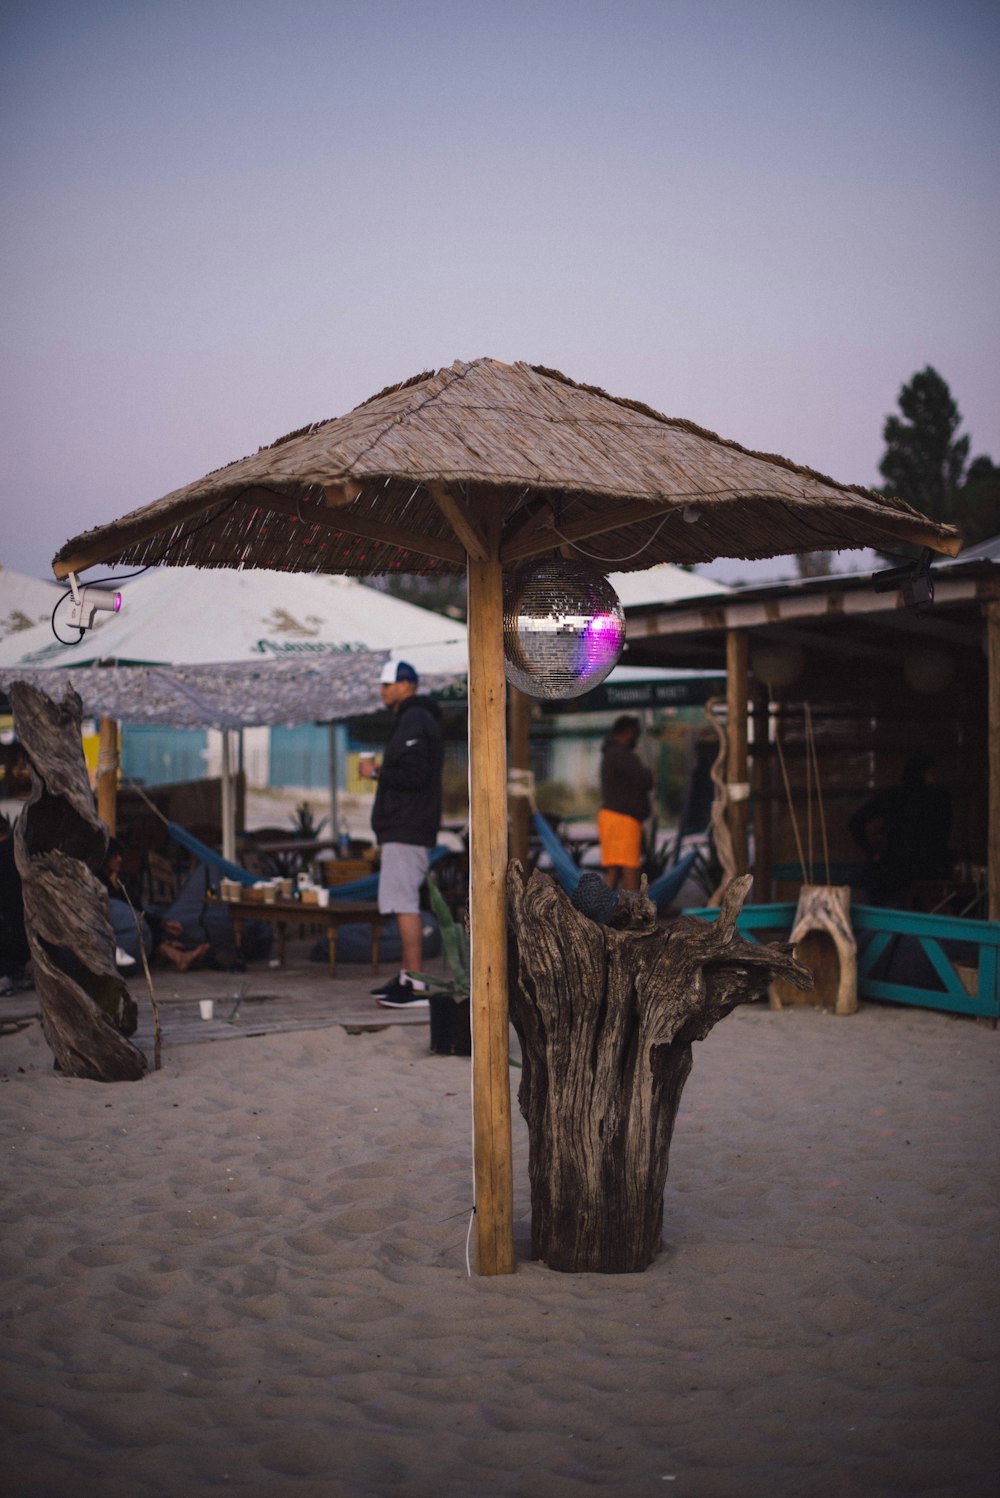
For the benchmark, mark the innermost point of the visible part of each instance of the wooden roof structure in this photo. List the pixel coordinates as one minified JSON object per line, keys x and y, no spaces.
{"x":481,"y":467}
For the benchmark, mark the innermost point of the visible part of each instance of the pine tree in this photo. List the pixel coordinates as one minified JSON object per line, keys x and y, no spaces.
{"x":925,"y":461}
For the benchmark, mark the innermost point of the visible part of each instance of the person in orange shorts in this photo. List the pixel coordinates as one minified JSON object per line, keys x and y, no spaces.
{"x":625,"y":804}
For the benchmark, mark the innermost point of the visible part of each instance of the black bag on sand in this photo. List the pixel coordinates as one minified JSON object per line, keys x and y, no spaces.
{"x":451,"y":1026}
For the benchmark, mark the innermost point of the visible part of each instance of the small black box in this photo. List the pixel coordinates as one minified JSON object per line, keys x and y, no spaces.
{"x":451,"y":1026}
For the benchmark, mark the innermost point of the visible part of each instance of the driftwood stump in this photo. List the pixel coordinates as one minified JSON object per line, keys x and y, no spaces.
{"x":823,"y":941}
{"x":606,"y":1016}
{"x":59,"y":845}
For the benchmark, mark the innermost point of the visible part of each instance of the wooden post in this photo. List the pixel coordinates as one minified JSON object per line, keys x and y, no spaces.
{"x":107,"y":773}
{"x":492,"y":1153}
{"x":228,"y":794}
{"x":334,"y":772}
{"x":737,"y":771}
{"x":993,"y":741}
{"x":519,"y":716}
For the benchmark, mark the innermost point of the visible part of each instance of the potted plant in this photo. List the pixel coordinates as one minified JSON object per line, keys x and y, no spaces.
{"x":451,"y":1027}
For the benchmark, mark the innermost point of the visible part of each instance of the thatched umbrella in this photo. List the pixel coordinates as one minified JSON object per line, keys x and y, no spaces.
{"x":477,"y":468}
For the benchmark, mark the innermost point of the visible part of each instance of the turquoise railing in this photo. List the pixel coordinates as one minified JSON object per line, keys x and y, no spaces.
{"x":882,"y":934}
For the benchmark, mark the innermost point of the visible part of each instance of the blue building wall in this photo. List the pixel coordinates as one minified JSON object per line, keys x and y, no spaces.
{"x":301,"y":756}
{"x":163,"y":756}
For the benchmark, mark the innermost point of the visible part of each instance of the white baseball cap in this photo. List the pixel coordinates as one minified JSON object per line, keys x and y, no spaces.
{"x":397,"y":671}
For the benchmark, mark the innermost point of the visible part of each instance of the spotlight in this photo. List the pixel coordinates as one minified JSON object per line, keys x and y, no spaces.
{"x":88,"y":602}
{"x":914,"y":582}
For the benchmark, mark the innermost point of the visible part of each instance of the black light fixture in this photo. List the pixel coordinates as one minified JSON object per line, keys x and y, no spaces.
{"x":913,"y":580}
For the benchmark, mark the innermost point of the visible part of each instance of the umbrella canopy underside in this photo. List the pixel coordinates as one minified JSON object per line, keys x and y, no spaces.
{"x":222,"y":696}
{"x":396,"y":486}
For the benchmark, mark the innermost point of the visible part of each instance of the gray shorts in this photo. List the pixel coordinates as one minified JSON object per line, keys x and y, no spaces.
{"x":400,"y":878}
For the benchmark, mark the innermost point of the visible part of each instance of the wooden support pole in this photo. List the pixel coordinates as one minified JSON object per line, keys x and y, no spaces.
{"x":993,"y":741}
{"x":737,"y":766}
{"x":228,"y":808}
{"x":519,"y":727}
{"x":107,"y":773}
{"x":491,"y":1125}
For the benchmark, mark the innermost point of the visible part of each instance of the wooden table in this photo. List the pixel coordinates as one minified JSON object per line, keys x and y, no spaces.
{"x":282,"y":913}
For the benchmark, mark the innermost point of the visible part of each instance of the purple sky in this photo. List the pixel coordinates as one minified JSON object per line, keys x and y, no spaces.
{"x":222,"y":219}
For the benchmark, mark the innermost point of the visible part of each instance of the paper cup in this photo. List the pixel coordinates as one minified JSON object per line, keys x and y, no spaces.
{"x":207,"y":1007}
{"x":323,"y":897}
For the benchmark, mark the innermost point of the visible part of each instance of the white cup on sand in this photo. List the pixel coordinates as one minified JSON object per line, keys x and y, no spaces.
{"x":207,"y":1007}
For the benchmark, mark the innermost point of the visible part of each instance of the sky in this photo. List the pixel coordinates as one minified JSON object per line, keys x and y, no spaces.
{"x":223,"y":219}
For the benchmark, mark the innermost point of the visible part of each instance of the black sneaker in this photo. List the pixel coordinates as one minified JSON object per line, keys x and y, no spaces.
{"x":401,"y":994}
{"x":387,"y":987}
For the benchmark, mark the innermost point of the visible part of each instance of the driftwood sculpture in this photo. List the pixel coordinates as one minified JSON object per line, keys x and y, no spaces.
{"x":823,"y":941}
{"x":59,"y":844}
{"x":606,"y":1016}
{"x":718,"y":820}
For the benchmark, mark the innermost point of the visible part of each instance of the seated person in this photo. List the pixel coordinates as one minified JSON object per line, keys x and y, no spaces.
{"x":904,"y":831}
{"x":15,"y":954}
{"x":161,"y":938}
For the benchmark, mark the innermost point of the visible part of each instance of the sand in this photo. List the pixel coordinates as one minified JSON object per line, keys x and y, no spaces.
{"x":247,"y":1275}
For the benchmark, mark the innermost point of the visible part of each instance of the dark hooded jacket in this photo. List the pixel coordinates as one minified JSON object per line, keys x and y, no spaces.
{"x":625,"y":781}
{"x":407,"y":805}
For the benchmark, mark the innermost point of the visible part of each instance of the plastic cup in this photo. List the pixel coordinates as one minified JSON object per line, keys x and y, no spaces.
{"x":207,"y":1007}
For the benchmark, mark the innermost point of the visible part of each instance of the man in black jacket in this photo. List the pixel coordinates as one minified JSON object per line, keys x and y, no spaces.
{"x":405,"y":819}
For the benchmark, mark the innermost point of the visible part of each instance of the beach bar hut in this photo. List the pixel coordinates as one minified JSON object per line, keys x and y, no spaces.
{"x":480,"y":468}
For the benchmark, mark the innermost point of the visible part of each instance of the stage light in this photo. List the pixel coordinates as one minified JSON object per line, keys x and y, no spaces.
{"x":563,"y":629}
{"x":88,"y":602}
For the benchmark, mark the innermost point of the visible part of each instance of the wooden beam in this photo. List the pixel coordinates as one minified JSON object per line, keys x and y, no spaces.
{"x":458,"y":517}
{"x":492,"y":1151}
{"x":595,"y":523}
{"x":344,"y":492}
{"x":993,"y":741}
{"x":794,"y":604}
{"x":107,"y":773}
{"x":737,"y":770}
{"x":365,"y":527}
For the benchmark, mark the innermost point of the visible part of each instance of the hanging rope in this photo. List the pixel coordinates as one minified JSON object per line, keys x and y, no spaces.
{"x":814,"y":762}
{"x":157,"y":1032}
{"x":788,"y":797}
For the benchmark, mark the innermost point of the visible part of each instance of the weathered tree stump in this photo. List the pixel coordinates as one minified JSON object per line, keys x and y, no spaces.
{"x":59,"y":844}
{"x":606,"y":1016}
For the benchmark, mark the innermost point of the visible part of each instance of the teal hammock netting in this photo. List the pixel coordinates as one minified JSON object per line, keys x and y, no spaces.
{"x":662,"y":891}
{"x":365,"y":888}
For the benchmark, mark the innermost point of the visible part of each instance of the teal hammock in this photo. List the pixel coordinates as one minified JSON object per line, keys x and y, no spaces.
{"x":365,"y":888}
{"x":663,"y":890}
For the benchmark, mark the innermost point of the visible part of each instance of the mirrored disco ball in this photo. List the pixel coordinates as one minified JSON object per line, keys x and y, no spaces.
{"x":563,"y":629}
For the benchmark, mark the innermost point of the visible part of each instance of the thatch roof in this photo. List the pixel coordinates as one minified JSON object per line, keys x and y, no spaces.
{"x":392,"y":486}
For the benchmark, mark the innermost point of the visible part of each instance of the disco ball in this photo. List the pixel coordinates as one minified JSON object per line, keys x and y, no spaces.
{"x":563,"y":629}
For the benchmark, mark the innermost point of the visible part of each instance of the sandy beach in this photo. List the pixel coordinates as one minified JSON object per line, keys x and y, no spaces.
{"x":247,"y":1274}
